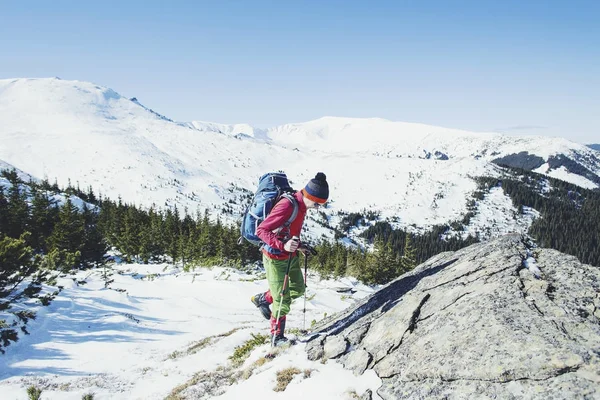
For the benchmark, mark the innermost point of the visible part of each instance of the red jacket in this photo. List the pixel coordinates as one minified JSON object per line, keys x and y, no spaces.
{"x":267,"y":230}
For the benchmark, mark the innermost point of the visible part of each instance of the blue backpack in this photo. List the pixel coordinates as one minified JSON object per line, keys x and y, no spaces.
{"x":272,"y":187}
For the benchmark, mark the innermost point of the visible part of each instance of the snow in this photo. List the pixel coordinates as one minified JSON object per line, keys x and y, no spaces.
{"x":531,"y":265}
{"x":329,"y":381}
{"x":132,"y":344}
{"x":95,"y":137}
{"x":22,"y":175}
{"x":562,"y":174}
{"x":230,"y":130}
{"x":495,"y":216}
{"x":545,"y":187}
{"x":59,"y":198}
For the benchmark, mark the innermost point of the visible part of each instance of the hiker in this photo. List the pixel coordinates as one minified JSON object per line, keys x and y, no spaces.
{"x":279,"y":245}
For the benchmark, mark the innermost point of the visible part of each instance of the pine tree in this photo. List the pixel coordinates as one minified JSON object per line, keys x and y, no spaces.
{"x":107,"y":273}
{"x":18,"y":209}
{"x":408,"y":261}
{"x":235,"y":252}
{"x":18,"y":265}
{"x":322,"y":261}
{"x":369,"y":274}
{"x":17,"y":261}
{"x":382,"y":265}
{"x":171,"y":229}
{"x":225,"y":247}
{"x":214,"y":240}
{"x":129,"y":241}
{"x":91,"y":197}
{"x":341,"y":260}
{"x":44,"y":215}
{"x":206,"y":240}
{"x":3,"y":213}
{"x":188,"y":253}
{"x":157,"y":242}
{"x":94,"y":246}
{"x":356,"y":263}
{"x":69,"y":231}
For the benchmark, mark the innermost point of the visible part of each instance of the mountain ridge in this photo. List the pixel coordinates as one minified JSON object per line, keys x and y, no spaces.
{"x":92,"y":135}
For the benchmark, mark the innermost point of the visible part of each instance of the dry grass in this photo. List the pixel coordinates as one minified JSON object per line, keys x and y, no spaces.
{"x":353,"y":395}
{"x":197,"y":346}
{"x":206,"y":341}
{"x":243,"y":351}
{"x":256,"y":364}
{"x":212,"y":383}
{"x":284,"y":377}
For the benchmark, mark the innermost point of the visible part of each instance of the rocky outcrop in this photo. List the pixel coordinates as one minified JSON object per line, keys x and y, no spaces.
{"x":522,"y":160}
{"x":500,"y":319}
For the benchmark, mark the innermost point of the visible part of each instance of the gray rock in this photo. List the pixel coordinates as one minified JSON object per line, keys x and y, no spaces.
{"x":357,"y":361}
{"x":314,"y":349}
{"x":334,"y":347}
{"x":477,"y":324}
{"x":356,"y":336}
{"x":367,"y":395}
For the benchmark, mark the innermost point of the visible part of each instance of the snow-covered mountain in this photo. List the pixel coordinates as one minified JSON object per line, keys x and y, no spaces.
{"x":421,"y":174}
{"x":236,"y":130}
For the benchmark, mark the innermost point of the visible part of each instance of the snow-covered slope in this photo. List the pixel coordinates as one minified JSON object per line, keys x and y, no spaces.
{"x":58,"y":198}
{"x":157,"y":326}
{"x":21,"y":174}
{"x":94,"y":136}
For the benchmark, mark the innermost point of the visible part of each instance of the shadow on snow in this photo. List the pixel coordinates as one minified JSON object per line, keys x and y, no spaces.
{"x":78,"y":320}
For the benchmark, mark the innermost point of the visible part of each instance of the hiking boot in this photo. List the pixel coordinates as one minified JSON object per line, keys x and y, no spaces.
{"x":277,"y":330}
{"x":280,"y":340}
{"x":261,"y":302}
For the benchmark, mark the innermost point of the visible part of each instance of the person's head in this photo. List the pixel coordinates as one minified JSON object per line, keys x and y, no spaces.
{"x":316,"y":191}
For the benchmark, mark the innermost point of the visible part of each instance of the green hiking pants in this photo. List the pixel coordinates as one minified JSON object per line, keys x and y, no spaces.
{"x":275,"y":276}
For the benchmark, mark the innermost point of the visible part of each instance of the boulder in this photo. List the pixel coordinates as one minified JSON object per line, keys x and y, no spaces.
{"x":477,"y":323}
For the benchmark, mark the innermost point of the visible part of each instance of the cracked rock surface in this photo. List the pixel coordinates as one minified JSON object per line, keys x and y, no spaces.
{"x":477,"y":324}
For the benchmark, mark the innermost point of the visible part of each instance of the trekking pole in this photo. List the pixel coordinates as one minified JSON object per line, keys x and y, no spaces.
{"x":309,"y":250}
{"x":305,"y":286}
{"x":285,"y":280}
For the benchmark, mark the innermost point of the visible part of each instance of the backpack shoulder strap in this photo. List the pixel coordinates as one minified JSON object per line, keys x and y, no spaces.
{"x":294,"y":202}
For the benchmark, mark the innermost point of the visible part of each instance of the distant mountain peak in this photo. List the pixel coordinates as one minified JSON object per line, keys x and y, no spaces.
{"x":234,"y":130}
{"x":136,"y":101}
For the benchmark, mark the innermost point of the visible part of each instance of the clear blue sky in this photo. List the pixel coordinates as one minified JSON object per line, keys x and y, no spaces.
{"x":525,"y":66}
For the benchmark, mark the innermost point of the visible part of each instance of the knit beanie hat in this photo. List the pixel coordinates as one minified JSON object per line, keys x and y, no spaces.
{"x":317,"y":189}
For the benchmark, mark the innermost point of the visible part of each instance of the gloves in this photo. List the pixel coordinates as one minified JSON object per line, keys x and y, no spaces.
{"x":307,"y":249}
{"x":292,"y":245}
